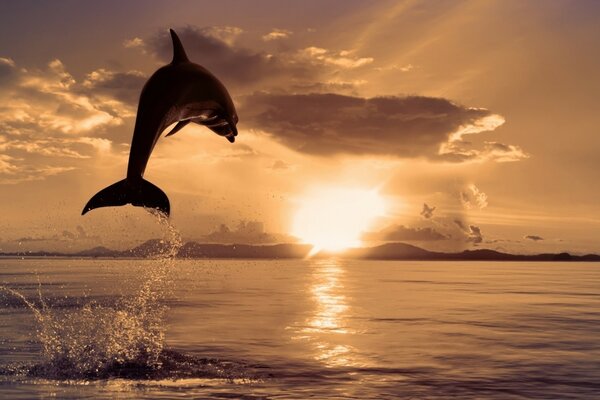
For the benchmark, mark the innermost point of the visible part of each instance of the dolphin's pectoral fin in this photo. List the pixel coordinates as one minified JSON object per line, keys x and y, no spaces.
{"x":178,"y":127}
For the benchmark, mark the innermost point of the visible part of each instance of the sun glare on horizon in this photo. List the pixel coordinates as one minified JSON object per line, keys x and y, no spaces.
{"x":335,"y":219}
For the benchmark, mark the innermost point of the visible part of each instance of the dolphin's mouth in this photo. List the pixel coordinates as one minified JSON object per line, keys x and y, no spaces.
{"x":223,"y":128}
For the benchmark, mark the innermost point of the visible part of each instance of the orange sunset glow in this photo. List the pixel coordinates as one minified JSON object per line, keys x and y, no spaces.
{"x":479,"y":150}
{"x":334,"y":219}
{"x":315,"y":199}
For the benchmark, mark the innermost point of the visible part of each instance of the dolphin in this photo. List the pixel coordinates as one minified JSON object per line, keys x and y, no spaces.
{"x":181,"y":92}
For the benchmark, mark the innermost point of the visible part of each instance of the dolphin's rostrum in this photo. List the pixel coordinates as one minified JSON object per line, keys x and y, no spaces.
{"x":181,"y":92}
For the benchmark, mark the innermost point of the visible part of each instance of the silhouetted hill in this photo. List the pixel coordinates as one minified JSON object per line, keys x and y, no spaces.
{"x":99,"y":251}
{"x":197,"y":250}
{"x":391,"y":251}
{"x":388,"y":251}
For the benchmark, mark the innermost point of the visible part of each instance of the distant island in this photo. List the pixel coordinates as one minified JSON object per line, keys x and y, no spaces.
{"x":389,"y":251}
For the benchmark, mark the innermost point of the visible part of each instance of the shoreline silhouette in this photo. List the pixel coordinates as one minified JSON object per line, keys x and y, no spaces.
{"x":389,"y":251}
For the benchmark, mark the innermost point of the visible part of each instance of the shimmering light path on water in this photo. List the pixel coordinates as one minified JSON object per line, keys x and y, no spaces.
{"x":329,"y":328}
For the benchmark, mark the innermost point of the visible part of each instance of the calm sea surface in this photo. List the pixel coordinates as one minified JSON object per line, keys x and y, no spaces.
{"x":300,"y":329}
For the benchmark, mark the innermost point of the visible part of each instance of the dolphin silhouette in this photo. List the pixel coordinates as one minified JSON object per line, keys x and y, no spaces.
{"x":181,"y":92}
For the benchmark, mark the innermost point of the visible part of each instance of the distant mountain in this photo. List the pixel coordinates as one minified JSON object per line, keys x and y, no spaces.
{"x":96,"y":252}
{"x":392,"y":251}
{"x":389,"y":251}
{"x":197,"y":250}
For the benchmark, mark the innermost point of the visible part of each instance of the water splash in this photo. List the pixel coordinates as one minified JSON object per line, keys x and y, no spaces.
{"x":98,"y":341}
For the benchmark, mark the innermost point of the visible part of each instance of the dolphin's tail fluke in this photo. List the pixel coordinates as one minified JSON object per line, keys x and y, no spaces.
{"x":140,"y":193}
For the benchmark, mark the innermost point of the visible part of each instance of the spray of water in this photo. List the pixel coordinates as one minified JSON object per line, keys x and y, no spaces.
{"x":102,"y":341}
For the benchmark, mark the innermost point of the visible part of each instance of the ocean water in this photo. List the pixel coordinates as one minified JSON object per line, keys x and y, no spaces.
{"x":298,"y":329}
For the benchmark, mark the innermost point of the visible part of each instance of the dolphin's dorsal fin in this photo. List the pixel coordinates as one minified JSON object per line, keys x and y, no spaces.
{"x":179,"y":55}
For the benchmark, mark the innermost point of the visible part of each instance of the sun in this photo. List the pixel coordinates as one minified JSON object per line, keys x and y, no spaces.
{"x":334,"y":219}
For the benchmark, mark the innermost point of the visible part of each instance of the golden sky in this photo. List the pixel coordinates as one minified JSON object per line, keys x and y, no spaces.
{"x":476,"y":122}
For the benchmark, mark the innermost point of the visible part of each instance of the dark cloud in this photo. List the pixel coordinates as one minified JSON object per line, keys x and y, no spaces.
{"x":499,"y":146}
{"x":326,"y":124}
{"x":123,"y":86}
{"x":7,"y":70}
{"x":427,"y":211}
{"x":460,"y":151}
{"x":402,"y":233}
{"x":475,"y":235}
{"x":535,"y":238}
{"x":217,"y":49}
{"x":461,"y":225}
{"x":472,"y":233}
{"x":233,"y":64}
{"x":317,"y":119}
{"x":246,"y":232}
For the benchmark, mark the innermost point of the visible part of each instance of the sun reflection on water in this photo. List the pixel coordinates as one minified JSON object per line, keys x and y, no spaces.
{"x":331,"y":303}
{"x":326,"y":328}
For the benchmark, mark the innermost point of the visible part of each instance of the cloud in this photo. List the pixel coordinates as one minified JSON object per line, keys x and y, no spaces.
{"x":280,"y":165}
{"x":134,"y":42}
{"x":240,"y":68}
{"x":30,"y":239}
{"x":459,"y":151}
{"x":535,"y":238}
{"x":7,"y":69}
{"x":402,"y":127}
{"x":213,"y":48}
{"x":395,"y":67}
{"x":402,"y":233}
{"x":472,"y":198}
{"x":300,"y":102}
{"x":343,"y":59}
{"x":225,"y":34}
{"x":15,"y":170}
{"x":79,"y":234}
{"x":7,"y":62}
{"x":330,"y":86}
{"x":65,"y":236}
{"x":427,"y":211}
{"x":122,"y":86}
{"x":6,"y":164}
{"x":51,"y":101}
{"x":276,"y":34}
{"x":47,"y":118}
{"x":473,"y":233}
{"x":246,"y":232}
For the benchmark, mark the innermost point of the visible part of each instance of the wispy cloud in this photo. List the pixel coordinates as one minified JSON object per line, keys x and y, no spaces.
{"x":534,"y":238}
{"x":276,"y":34}
{"x":343,"y":59}
{"x":472,"y":198}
